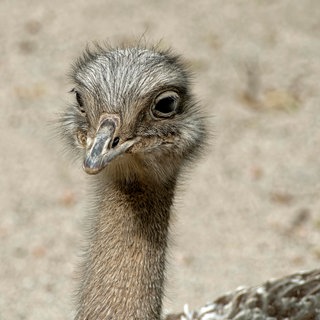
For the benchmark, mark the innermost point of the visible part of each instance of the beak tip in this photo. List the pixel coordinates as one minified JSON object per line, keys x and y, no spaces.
{"x":95,"y":162}
{"x":91,"y":168}
{"x":91,"y":171}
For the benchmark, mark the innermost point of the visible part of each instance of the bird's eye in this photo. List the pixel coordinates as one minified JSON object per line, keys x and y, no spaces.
{"x":165,"y":105}
{"x":79,"y":101}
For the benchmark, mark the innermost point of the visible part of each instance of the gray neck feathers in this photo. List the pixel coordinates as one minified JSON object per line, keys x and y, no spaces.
{"x":123,"y":273}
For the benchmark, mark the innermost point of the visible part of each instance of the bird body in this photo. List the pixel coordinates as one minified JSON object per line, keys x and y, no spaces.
{"x":136,"y":126}
{"x":294,"y":297}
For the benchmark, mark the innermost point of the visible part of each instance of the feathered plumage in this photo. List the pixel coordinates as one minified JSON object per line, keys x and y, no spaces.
{"x":295,"y":297}
{"x":135,"y":125}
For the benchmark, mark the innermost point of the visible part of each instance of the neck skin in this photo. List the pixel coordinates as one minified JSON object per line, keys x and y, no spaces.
{"x":123,"y":273}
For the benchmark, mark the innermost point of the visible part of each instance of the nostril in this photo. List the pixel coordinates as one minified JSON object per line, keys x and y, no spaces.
{"x":115,"y":142}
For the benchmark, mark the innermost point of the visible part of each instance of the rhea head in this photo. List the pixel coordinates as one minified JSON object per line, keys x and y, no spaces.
{"x":133,"y":114}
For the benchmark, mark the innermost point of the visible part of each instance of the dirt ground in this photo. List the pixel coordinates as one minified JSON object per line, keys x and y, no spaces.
{"x":250,"y":209}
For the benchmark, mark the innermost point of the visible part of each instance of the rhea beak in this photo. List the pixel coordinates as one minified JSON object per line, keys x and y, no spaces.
{"x":102,"y":150}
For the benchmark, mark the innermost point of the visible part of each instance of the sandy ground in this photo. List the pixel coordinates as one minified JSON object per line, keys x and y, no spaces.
{"x":249,"y":211}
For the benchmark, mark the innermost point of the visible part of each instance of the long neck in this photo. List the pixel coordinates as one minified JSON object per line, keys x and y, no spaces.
{"x":123,"y":273}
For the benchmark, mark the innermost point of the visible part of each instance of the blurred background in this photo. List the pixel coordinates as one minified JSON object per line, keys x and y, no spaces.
{"x":250,"y":209}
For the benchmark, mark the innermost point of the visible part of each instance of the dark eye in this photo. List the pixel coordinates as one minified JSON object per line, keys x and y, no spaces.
{"x":79,"y":99}
{"x":165,"y":105}
{"x":80,"y":102}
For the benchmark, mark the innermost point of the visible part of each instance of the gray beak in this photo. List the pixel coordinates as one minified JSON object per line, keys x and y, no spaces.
{"x":103,"y":150}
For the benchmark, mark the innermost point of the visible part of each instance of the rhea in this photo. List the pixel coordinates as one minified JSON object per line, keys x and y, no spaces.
{"x":136,"y":126}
